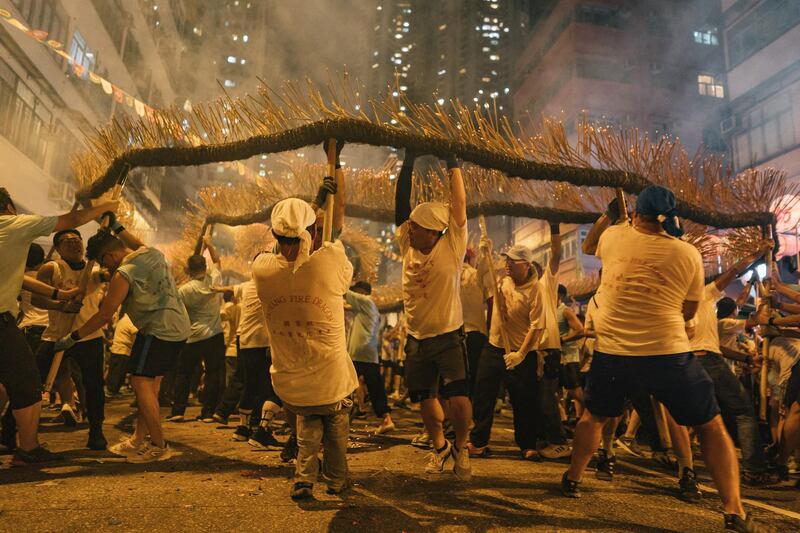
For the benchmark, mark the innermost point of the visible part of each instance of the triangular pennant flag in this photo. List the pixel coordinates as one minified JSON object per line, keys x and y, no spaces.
{"x":94,"y":77}
{"x":78,"y":69}
{"x":129,"y":100}
{"x":106,"y":86}
{"x":119,"y":95}
{"x":139,"y":106}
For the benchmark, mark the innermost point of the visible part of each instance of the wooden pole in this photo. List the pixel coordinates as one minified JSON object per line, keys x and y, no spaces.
{"x":497,"y":294}
{"x":83,"y":284}
{"x":623,"y":208}
{"x":765,"y":300}
{"x":327,"y":227}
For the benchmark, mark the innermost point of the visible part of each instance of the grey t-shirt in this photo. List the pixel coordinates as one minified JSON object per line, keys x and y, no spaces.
{"x":152,"y":303}
{"x":17,"y":232}
{"x":203,"y":305}
{"x":362,"y":343}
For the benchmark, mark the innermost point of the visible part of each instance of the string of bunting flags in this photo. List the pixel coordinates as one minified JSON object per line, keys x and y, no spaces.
{"x":80,"y":71}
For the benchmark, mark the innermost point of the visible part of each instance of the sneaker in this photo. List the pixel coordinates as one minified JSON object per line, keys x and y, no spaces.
{"x":125,"y":447}
{"x":40,"y":454}
{"x":530,"y":454}
{"x":760,"y":479}
{"x":344,"y":488}
{"x":150,"y":453}
{"x":242,"y":433}
{"x":385,"y":428}
{"x":570,"y":488}
{"x":69,"y":416}
{"x":479,"y":452}
{"x":437,"y":459}
{"x":629,"y":444}
{"x":688,"y":486}
{"x":289,"y":452}
{"x":605,"y":465}
{"x":423,"y":440}
{"x":665,"y":460}
{"x":263,"y":439}
{"x":302,"y":491}
{"x":556,"y":451}
{"x":461,"y":466}
{"x":97,"y":440}
{"x":793,"y":465}
{"x":734,"y":522}
{"x":175,"y":418}
{"x":219,"y":419}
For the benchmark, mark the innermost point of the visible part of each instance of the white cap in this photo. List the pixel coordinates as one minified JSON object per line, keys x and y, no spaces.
{"x":291,"y":217}
{"x":519,"y":252}
{"x":431,"y":215}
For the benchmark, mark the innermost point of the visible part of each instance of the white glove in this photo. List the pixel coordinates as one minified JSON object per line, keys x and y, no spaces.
{"x":64,"y":343}
{"x":485,"y":244}
{"x":512,"y":359}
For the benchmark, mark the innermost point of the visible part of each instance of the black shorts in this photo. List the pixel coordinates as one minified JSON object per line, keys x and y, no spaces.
{"x":678,"y":381}
{"x":792,"y":394}
{"x":152,"y":357}
{"x":429,"y":360}
{"x":570,"y":376}
{"x":19,"y":373}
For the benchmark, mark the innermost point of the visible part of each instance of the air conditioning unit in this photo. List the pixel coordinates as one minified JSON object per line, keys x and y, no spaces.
{"x":727,"y":124}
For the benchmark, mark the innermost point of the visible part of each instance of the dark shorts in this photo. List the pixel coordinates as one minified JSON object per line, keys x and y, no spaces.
{"x":19,"y":373}
{"x":570,"y":375}
{"x":678,"y":381}
{"x":792,"y":394}
{"x":429,"y":360}
{"x":152,"y":357}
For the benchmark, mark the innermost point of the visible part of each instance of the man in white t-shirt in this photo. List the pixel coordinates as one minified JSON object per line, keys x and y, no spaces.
{"x":549,"y":367}
{"x":433,"y":241}
{"x":302,"y":294}
{"x":521,"y":318}
{"x":652,"y":284}
{"x":18,"y":370}
{"x":66,"y":272}
{"x":206,"y":342}
{"x":475,"y":295}
{"x":732,"y":398}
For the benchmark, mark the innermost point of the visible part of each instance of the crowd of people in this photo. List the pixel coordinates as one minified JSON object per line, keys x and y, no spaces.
{"x":657,"y":349}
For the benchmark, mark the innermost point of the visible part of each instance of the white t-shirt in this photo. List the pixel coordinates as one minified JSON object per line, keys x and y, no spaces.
{"x":124,"y":336}
{"x":728,"y":330}
{"x":230,"y":313}
{"x":646,"y":278}
{"x":203,"y":305}
{"x":432,"y":283}
{"x":786,"y":353}
{"x":548,"y":289}
{"x":706,"y":334}
{"x":304,"y":311}
{"x":524,"y":307}
{"x":31,"y":315}
{"x":474,"y":294}
{"x":17,"y":232}
{"x":252,"y":324}
{"x":60,"y":323}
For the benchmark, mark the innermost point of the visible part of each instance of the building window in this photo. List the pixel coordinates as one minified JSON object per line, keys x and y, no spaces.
{"x":762,"y":26}
{"x":81,"y":54}
{"x":768,"y":130}
{"x":597,"y":15}
{"x":23,"y":119}
{"x":706,"y":36}
{"x":707,"y":85}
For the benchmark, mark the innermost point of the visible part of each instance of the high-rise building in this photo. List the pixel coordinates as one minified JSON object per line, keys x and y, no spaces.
{"x":762,"y":125}
{"x":653,"y":65}
{"x":47,"y":101}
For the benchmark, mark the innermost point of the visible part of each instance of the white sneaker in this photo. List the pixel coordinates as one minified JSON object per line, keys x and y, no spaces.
{"x":385,"y":428}
{"x":556,"y":451}
{"x":461,"y":466}
{"x":149,"y":453}
{"x":125,"y":447}
{"x":68,"y":415}
{"x":437,"y":460}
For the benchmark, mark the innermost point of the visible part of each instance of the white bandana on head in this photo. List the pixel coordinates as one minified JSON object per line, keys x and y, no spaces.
{"x":290,"y":218}
{"x":431,"y":215}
